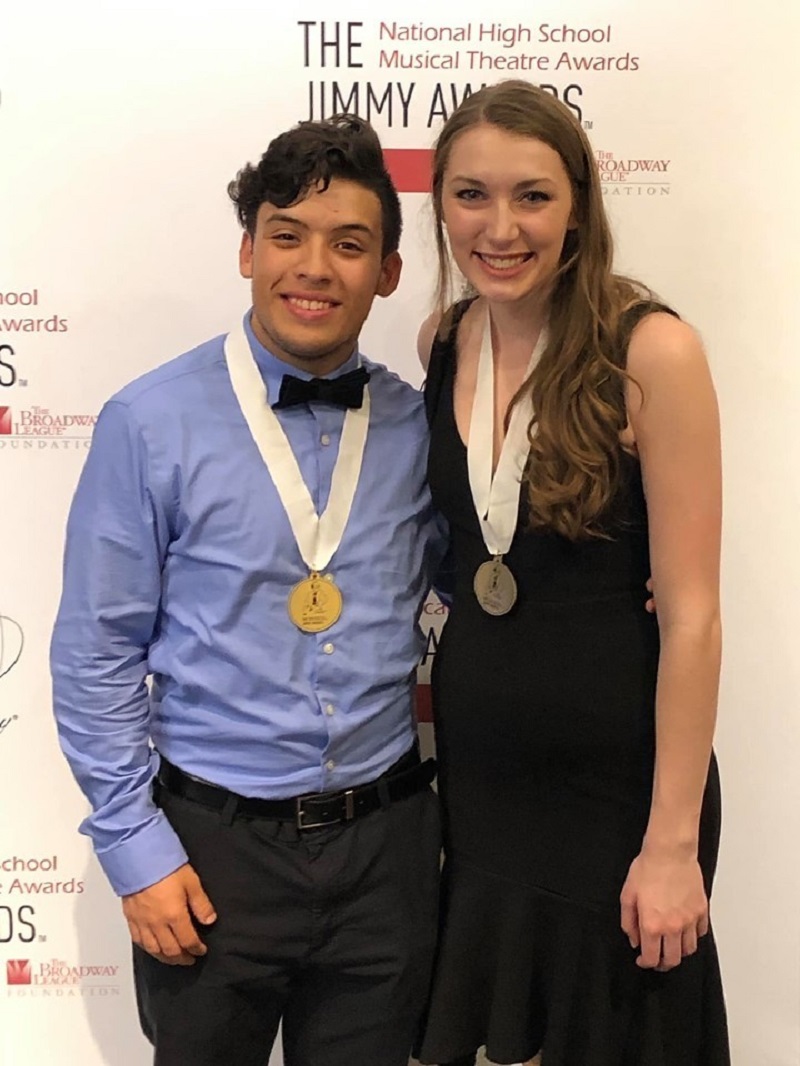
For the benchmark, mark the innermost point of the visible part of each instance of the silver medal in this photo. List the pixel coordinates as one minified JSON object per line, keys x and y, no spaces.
{"x":495,"y":494}
{"x":495,"y":587}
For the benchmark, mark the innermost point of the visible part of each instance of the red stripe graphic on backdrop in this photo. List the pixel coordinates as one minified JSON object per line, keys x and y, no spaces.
{"x":410,"y":168}
{"x":424,"y":712}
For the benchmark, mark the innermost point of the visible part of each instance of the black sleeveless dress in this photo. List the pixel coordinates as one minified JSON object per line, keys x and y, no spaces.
{"x":545,"y":734}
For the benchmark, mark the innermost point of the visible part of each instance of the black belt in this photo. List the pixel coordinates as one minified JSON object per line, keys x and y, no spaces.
{"x":313,"y":810}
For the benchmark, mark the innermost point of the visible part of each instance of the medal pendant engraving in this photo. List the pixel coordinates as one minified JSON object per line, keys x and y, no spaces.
{"x":315,"y":603}
{"x":495,"y":587}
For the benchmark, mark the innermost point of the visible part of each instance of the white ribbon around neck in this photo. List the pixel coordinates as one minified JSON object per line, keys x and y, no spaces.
{"x":496,"y":498}
{"x":317,"y":536}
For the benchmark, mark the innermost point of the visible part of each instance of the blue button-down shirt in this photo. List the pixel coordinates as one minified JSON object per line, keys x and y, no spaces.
{"x":179,"y":561}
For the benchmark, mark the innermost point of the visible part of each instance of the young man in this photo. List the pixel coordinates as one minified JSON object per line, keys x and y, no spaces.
{"x":253,"y":531}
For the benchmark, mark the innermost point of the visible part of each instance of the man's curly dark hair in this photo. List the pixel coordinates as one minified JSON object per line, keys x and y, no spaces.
{"x":314,"y":153}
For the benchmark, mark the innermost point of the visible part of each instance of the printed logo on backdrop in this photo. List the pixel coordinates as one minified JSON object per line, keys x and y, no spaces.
{"x":18,"y":972}
{"x":626,"y":176}
{"x":31,"y":877}
{"x":18,"y":924}
{"x":434,"y":615}
{"x":22,"y":314}
{"x":27,"y":324}
{"x":61,"y":978}
{"x":43,"y":429}
{"x":26,"y":878}
{"x":401,"y":75}
{"x":12,"y":641}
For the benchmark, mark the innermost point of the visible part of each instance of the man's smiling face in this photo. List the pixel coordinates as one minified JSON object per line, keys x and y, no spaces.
{"x":316,"y":266}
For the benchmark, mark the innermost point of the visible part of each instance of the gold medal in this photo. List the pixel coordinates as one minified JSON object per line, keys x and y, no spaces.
{"x":315,"y":603}
{"x":495,"y":587}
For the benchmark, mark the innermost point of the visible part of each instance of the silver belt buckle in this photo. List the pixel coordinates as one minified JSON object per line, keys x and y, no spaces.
{"x":298,"y":804}
{"x":349,"y":812}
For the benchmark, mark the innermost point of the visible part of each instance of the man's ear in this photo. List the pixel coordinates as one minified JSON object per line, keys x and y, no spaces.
{"x":389,"y":278}
{"x":246,"y":256}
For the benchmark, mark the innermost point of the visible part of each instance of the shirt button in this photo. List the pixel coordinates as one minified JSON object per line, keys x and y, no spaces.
{"x":330,"y":765}
{"x":330,"y":709}
{"x":325,"y":439}
{"x":328,"y":649}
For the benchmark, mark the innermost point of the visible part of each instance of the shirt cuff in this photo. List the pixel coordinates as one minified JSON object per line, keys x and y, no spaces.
{"x":150,"y":855}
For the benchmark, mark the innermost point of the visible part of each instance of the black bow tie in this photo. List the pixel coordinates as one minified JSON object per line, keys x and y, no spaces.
{"x":345,"y":391}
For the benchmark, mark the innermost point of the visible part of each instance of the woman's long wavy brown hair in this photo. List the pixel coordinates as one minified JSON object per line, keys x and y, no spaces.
{"x":578,"y":386}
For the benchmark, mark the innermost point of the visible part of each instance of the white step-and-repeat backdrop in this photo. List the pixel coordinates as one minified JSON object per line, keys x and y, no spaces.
{"x":120,"y":126}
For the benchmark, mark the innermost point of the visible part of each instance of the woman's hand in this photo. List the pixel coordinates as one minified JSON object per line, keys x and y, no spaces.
{"x":664,"y":909}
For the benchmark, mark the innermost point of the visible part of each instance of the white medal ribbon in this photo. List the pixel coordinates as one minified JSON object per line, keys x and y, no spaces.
{"x":317,"y":536}
{"x":496,"y":498}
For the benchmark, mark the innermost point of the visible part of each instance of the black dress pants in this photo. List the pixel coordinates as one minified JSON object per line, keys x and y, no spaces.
{"x":330,"y":931}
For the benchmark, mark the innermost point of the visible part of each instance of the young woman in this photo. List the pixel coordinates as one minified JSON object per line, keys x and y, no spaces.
{"x":575,"y":451}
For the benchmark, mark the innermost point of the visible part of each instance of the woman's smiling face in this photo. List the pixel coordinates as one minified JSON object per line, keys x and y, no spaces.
{"x":507,"y":206}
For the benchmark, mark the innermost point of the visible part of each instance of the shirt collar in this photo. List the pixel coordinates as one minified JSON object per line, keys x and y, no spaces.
{"x":273,"y":369}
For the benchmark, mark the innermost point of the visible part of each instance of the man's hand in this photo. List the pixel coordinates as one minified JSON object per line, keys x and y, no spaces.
{"x":160,"y":917}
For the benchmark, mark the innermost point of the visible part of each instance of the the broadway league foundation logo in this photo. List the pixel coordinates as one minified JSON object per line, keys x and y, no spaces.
{"x":82,"y":979}
{"x":40,"y":428}
{"x":18,"y":972}
{"x":12,"y":641}
{"x":42,"y":422}
{"x":626,"y":176}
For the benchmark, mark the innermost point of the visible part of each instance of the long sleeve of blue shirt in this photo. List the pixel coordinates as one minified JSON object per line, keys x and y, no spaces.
{"x":117,"y":539}
{"x":173,"y":636}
